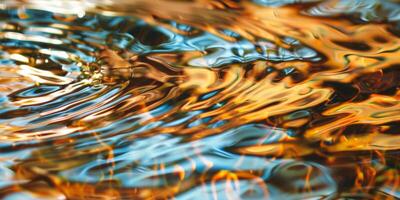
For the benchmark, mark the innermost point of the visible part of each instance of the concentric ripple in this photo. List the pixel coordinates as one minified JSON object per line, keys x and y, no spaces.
{"x":199,"y":99}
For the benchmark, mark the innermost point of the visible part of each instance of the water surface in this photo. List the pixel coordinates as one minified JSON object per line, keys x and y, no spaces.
{"x":199,"y":99}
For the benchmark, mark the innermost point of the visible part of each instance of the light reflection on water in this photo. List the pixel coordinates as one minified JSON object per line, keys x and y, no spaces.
{"x":199,"y":100}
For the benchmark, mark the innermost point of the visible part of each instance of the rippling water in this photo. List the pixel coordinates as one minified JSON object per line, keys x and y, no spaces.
{"x":199,"y":99}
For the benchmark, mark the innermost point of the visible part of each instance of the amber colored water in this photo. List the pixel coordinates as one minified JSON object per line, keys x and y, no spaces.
{"x":201,"y":99}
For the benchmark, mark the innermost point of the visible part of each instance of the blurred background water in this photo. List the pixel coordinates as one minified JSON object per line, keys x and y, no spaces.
{"x":201,"y":99}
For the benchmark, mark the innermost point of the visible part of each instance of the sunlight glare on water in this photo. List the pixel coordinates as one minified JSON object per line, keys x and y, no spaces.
{"x":201,"y":99}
